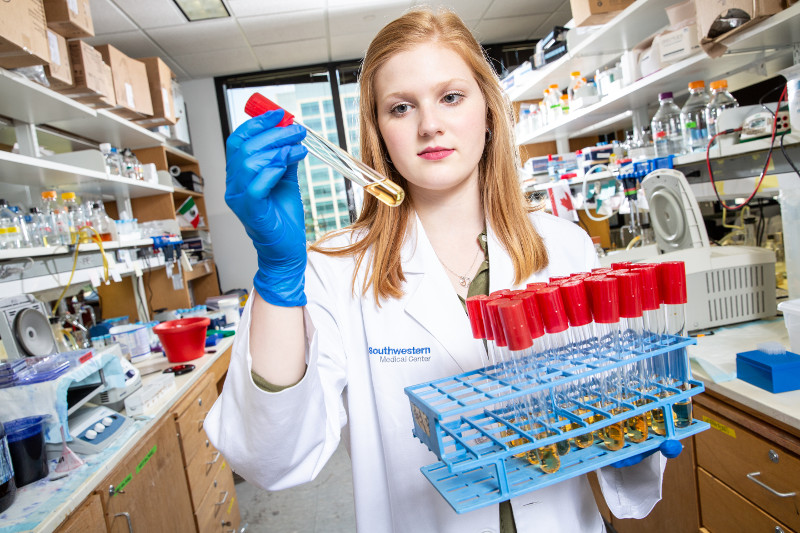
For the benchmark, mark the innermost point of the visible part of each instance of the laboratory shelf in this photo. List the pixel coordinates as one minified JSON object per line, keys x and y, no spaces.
{"x":469,"y":421}
{"x":29,"y":102}
{"x":605,"y":43}
{"x":203,"y":268}
{"x":47,"y":251}
{"x":110,"y":128}
{"x":594,"y":176}
{"x":31,"y":171}
{"x":753,"y":46}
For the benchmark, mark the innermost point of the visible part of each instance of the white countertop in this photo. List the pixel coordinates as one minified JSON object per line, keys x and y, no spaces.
{"x":43,"y":505}
{"x":721,"y":349}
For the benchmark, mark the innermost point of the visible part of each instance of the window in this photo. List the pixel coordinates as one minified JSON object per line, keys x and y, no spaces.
{"x":324,"y":208}
{"x":327,"y":106}
{"x":321,"y":191}
{"x":309,"y":109}
{"x":330,"y":123}
{"x":313,"y":124}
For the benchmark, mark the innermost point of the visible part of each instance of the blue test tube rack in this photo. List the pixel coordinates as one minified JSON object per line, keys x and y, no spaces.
{"x":467,"y":420}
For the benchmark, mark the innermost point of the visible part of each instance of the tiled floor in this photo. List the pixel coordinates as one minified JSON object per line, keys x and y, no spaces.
{"x":324,"y":505}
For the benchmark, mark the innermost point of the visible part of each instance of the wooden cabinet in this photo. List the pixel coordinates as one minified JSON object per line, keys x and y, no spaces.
{"x":748,"y":471}
{"x":209,"y":477}
{"x":147,"y":491}
{"x":86,"y":518}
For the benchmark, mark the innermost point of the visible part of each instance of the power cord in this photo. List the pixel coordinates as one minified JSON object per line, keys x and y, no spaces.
{"x":77,"y":243}
{"x":766,"y":164}
{"x":8,"y":271}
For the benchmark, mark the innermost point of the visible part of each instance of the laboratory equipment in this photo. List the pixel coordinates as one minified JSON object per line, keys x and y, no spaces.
{"x":8,"y":486}
{"x":183,"y":339}
{"x":94,"y":429}
{"x":57,"y":219}
{"x":115,"y":397}
{"x":693,"y":118}
{"x":378,"y":186}
{"x":721,"y":100}
{"x":770,"y":368}
{"x":27,"y":448}
{"x":666,"y":127}
{"x":24,"y":327}
{"x":10,"y":227}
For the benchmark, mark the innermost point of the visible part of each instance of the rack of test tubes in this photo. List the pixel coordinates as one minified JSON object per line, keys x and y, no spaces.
{"x":585,"y":371}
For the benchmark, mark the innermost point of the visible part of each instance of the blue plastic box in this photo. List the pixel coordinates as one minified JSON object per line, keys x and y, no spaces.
{"x":774,"y":373}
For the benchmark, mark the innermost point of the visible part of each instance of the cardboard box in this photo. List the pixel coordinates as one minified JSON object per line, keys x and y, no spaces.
{"x":131,"y":88}
{"x":159,"y":78}
{"x":105,"y":98}
{"x":709,"y":10}
{"x":59,"y":69}
{"x":23,"y":41}
{"x":90,"y":76}
{"x":593,"y":12}
{"x":69,"y":18}
{"x":677,"y":45}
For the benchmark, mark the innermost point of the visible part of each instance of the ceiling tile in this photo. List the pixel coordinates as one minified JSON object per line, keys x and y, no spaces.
{"x":515,"y":8}
{"x":130,"y":43}
{"x":284,"y":27}
{"x":507,"y":29}
{"x":283,"y":55}
{"x":152,"y":13}
{"x":466,"y":9}
{"x":203,"y":36}
{"x":559,"y":18}
{"x":218,"y":63}
{"x":351,"y":19}
{"x":107,"y":18}
{"x":252,"y":8}
{"x":353,"y":46}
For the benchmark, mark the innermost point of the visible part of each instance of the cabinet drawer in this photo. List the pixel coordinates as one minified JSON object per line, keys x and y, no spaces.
{"x":219,"y":510}
{"x":725,"y":511}
{"x":190,"y":421}
{"x":87,"y":518}
{"x":746,"y":462}
{"x":203,"y":468}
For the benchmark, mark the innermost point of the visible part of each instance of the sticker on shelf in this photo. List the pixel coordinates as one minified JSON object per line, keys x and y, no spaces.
{"x":115,"y":275}
{"x":94,"y":278}
{"x":129,"y":95}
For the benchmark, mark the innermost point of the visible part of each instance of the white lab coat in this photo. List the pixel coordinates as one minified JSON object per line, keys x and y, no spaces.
{"x":279,"y":440}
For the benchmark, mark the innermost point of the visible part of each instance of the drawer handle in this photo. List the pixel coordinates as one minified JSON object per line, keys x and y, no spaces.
{"x":200,"y":422}
{"x":224,"y":498}
{"x":752,"y":477}
{"x":128,"y":518}
{"x":216,"y":458}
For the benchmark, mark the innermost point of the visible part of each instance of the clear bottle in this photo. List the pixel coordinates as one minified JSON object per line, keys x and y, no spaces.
{"x":693,"y":118}
{"x":128,"y":164}
{"x":575,"y":83}
{"x":57,"y":219}
{"x":564,"y":104}
{"x":75,"y":217}
{"x":666,"y":127}
{"x":10,"y":231}
{"x":111,"y":159}
{"x":101,"y":221}
{"x":22,"y":224}
{"x":39,"y":228}
{"x":721,"y":99}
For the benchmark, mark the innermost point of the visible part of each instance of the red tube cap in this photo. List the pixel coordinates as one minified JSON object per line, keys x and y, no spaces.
{"x":622,"y":264}
{"x":535,"y":324}
{"x":497,"y":325}
{"x":535,"y":286}
{"x":558,"y":278}
{"x":488,"y":331}
{"x":515,"y":325}
{"x":601,"y":270}
{"x":605,"y":300}
{"x":629,"y":286}
{"x":672,"y":282}
{"x":258,"y":104}
{"x":651,"y":300}
{"x":552,"y":309}
{"x":576,"y":303}
{"x":476,"y":316}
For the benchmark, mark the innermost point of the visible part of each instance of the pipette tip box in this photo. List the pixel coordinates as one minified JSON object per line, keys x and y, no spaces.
{"x":771,"y":372}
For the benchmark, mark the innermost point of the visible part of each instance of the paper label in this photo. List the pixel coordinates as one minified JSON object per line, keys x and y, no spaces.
{"x":165,"y":100}
{"x":94,"y":277}
{"x":146,"y":458}
{"x":720,"y":427}
{"x":52,"y":41}
{"x":115,"y":275}
{"x":129,"y":95}
{"x":73,"y":6}
{"x":137,"y":270}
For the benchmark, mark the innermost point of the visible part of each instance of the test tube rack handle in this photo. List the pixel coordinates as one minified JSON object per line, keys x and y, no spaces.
{"x":457,"y":418}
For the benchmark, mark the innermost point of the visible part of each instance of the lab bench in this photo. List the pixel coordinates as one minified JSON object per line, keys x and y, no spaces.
{"x":162,"y":474}
{"x":743,"y":474}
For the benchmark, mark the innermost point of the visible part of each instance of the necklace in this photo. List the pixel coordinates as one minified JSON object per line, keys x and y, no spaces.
{"x":462,"y":280}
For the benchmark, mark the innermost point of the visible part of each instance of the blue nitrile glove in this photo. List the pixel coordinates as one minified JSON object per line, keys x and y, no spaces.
{"x":262,"y":189}
{"x":669,"y":448}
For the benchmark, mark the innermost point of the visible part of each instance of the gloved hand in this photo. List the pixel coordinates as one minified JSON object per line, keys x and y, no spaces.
{"x":262,"y":189}
{"x":669,"y":448}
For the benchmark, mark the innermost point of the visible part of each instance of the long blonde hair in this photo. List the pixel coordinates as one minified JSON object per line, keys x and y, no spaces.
{"x":381,"y":229}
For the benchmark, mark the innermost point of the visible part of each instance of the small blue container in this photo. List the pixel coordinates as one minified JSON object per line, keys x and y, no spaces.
{"x":772,"y":372}
{"x":27,"y":448}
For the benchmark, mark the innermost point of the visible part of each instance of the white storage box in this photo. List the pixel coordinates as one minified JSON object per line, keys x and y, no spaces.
{"x":791,"y":316}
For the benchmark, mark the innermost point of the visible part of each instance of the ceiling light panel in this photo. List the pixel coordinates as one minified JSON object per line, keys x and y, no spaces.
{"x":202,"y":9}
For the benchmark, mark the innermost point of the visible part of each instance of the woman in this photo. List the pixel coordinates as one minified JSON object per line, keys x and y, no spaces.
{"x":310,"y":361}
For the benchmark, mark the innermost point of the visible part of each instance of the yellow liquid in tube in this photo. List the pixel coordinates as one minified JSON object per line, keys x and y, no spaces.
{"x":387,"y":192}
{"x":657,"y":422}
{"x":636,"y":428}
{"x":683,"y":413}
{"x":549,"y":460}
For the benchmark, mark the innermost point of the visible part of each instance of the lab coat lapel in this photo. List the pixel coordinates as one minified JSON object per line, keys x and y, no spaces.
{"x":433,"y":303}
{"x":501,"y":269}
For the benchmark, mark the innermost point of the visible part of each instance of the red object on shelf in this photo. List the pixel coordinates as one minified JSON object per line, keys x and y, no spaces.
{"x":184,"y":339}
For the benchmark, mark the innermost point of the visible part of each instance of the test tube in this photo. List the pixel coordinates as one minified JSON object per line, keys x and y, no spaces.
{"x":476,"y":322}
{"x":375,"y":184}
{"x":605,"y":311}
{"x":520,"y":341}
{"x":672,"y":278}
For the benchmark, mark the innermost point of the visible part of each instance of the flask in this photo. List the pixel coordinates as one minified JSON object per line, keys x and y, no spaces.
{"x":693,"y":118}
{"x":666,"y":127}
{"x":721,"y":99}
{"x":378,"y":186}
